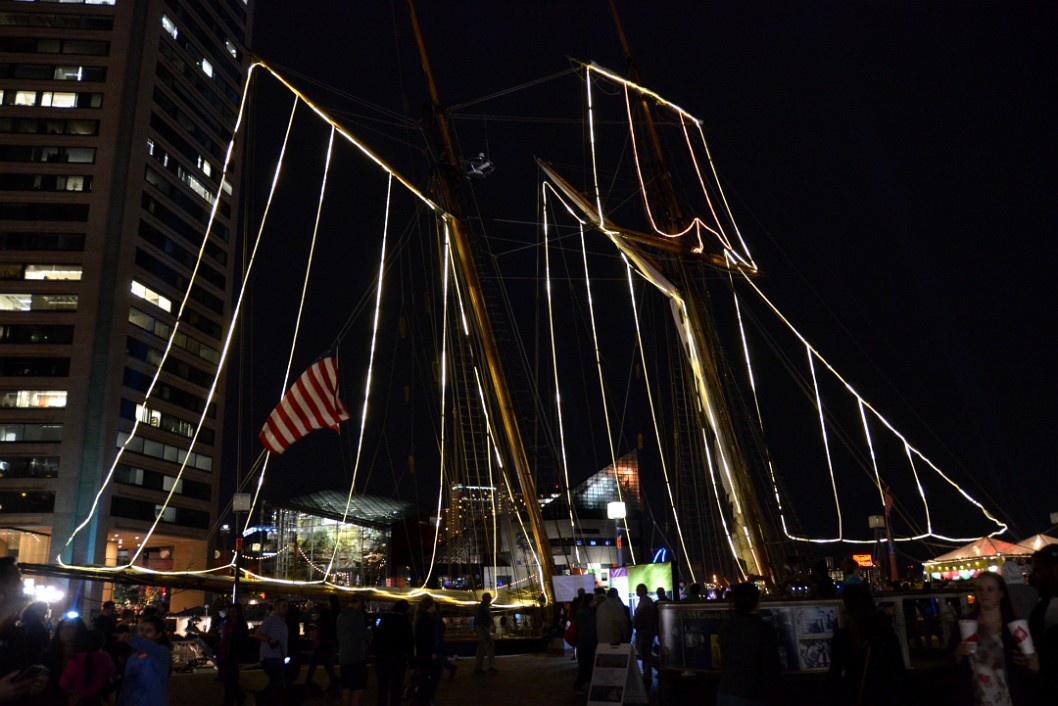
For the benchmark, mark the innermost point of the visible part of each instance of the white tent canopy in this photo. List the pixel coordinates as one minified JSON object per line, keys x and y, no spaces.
{"x":979,"y":549}
{"x":1037,"y":542}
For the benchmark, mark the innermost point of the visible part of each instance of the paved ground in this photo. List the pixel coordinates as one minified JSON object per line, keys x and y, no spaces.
{"x":547,"y":680}
{"x":522,"y":679}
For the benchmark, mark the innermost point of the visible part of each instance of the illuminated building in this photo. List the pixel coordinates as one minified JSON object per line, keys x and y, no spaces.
{"x":115,"y":117}
{"x":306,"y":532}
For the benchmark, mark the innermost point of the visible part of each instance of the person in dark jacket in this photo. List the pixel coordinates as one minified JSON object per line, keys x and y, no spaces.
{"x":587,"y":640}
{"x":394,"y":647}
{"x":427,"y":651}
{"x":866,"y":660}
{"x":234,"y":635}
{"x":749,"y":653}
{"x":325,"y":642}
{"x":1043,"y":623}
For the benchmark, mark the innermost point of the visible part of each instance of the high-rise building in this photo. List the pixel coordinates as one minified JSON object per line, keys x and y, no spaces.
{"x":115,"y":117}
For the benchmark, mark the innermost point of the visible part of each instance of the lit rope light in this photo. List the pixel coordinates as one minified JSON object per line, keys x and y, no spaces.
{"x":444,"y":387}
{"x":911,"y":450}
{"x":646,"y":202}
{"x":654,"y":416}
{"x":370,"y":368}
{"x":172,"y":335}
{"x":679,"y":309}
{"x":297,"y":319}
{"x":921,"y":490}
{"x":874,"y":458}
{"x":826,"y":444}
{"x":594,"y":159}
{"x":719,"y":504}
{"x":720,"y":189}
{"x":554,"y":368}
{"x":756,"y":403}
{"x":602,"y":386}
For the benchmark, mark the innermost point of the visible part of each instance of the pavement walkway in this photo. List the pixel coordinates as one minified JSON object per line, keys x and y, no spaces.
{"x":522,"y":680}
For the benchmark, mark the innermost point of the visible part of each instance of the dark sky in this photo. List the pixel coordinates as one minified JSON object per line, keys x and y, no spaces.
{"x":892,"y":167}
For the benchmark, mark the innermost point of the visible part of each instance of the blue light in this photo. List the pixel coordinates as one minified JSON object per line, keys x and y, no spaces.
{"x":661,"y":556}
{"x":72,"y":615}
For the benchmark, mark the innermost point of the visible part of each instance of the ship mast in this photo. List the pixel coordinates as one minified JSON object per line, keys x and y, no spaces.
{"x":465,"y":262}
{"x":749,"y":534}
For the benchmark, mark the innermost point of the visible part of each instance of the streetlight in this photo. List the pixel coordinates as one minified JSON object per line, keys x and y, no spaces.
{"x":616,"y":512}
{"x":240,"y":502}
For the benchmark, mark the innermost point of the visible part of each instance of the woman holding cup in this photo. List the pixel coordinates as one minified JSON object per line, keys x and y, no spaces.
{"x":994,"y":666}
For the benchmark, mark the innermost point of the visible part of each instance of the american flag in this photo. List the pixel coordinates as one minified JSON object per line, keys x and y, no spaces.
{"x":311,"y":403}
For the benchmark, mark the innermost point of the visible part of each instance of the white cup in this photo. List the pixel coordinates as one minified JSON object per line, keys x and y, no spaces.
{"x":968,"y":631}
{"x":1019,"y":630}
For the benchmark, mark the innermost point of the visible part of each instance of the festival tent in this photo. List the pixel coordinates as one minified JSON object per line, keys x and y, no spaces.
{"x":1037,"y":542}
{"x":967,"y":561}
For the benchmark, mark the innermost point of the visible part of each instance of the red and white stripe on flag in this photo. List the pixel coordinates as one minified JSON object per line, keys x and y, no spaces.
{"x":311,"y":403}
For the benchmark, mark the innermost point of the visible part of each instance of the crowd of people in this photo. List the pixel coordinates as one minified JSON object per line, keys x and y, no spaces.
{"x":117,"y":659}
{"x":126,"y":659}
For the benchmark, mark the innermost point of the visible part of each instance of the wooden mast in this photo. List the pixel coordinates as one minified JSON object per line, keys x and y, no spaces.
{"x":465,"y":261}
{"x":749,"y":534}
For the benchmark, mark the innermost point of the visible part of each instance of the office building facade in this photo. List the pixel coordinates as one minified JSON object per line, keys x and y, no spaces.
{"x":115,"y":118}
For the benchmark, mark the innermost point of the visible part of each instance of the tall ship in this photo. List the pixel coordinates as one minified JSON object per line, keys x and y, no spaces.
{"x":440,"y":394}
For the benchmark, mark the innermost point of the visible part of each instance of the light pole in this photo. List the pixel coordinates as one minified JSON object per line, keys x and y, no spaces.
{"x":616,"y":512}
{"x":240,"y":503}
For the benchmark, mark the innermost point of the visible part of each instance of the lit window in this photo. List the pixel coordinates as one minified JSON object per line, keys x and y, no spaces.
{"x":69,"y":73}
{"x":148,"y":416}
{"x":50,"y":99}
{"x":25,"y":98}
{"x":207,"y":68}
{"x":53,"y":272}
{"x":232,"y":49}
{"x":151,"y":296}
{"x":170,"y":27}
{"x":31,"y":399}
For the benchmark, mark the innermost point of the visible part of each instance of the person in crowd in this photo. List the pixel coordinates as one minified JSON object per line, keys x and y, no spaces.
{"x":662,"y":596}
{"x":292,"y":666}
{"x":273,"y":635}
{"x":866,"y":660}
{"x":749,"y":653}
{"x":325,"y":642}
{"x":106,"y":622}
{"x":393,"y":643}
{"x":428,"y":650}
{"x":146,"y":678}
{"x":444,"y":659}
{"x":68,"y":635}
{"x":1043,"y":623}
{"x":851,"y":570}
{"x":694,"y":592}
{"x":611,"y":621}
{"x":352,"y":651}
{"x":822,"y":585}
{"x":483,"y":626}
{"x":645,"y":622}
{"x":89,"y":676}
{"x":992,"y":669}
{"x":587,"y":641}
{"x":233,"y":635}
{"x":35,"y":628}
{"x":15,"y":657}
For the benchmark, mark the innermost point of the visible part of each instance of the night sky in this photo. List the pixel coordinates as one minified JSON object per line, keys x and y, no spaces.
{"x":892,"y":168}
